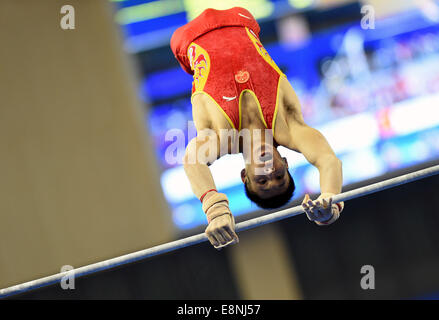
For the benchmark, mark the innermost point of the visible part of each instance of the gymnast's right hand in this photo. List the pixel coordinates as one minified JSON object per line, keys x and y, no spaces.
{"x":221,"y":231}
{"x":221,"y":228}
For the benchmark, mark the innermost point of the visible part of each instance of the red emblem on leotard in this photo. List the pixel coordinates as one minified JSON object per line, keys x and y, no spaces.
{"x":242,"y":76}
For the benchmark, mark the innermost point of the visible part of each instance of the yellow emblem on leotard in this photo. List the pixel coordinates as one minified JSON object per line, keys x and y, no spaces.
{"x":200,"y":65}
{"x":260,"y":48}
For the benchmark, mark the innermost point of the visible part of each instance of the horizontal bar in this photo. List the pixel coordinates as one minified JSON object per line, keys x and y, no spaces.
{"x":192,"y":240}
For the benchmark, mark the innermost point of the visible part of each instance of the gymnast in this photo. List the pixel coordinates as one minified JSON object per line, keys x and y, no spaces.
{"x":237,"y":88}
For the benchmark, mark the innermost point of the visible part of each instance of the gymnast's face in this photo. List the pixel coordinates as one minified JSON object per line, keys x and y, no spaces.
{"x":269,"y":177}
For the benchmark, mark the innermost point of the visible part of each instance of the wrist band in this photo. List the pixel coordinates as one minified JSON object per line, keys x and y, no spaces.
{"x":204,"y":194}
{"x":212,"y":215}
{"x":213,"y":199}
{"x":334,"y":216}
{"x":340,"y":208}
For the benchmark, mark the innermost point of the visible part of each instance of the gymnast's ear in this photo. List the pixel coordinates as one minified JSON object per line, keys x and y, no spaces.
{"x":243,"y":175}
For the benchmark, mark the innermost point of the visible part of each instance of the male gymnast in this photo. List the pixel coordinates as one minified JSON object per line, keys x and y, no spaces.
{"x":238,"y":88}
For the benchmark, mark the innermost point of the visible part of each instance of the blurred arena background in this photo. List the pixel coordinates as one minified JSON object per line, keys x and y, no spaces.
{"x":86,"y":120}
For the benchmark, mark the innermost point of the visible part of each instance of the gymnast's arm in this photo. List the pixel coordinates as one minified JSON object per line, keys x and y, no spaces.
{"x":200,"y":152}
{"x":316,"y":149}
{"x":300,"y":137}
{"x":196,"y":166}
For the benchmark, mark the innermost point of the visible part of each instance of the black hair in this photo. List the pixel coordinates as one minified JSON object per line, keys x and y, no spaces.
{"x":275,"y":201}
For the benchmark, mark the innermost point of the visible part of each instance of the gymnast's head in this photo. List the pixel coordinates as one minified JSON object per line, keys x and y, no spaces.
{"x":268,"y":182}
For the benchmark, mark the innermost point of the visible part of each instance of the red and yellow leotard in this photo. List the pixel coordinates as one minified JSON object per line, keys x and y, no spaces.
{"x":222,"y":50}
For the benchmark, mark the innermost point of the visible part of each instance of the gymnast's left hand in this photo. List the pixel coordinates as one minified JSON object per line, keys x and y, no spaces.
{"x":322,"y":211}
